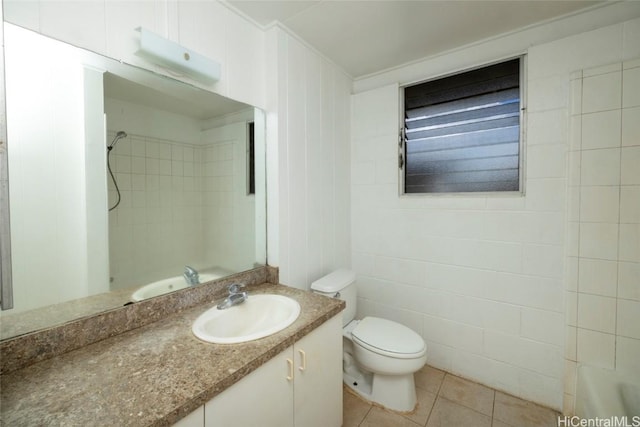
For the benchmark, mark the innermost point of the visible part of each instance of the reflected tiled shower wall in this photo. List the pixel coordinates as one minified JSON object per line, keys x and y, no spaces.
{"x":167,"y":189}
{"x":603,"y":276}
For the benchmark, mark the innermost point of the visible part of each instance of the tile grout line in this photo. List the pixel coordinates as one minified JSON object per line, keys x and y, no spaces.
{"x":493,"y":409}
{"x":437,"y":397}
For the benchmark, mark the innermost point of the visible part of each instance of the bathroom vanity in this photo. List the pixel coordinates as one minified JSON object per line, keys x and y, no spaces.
{"x":160,"y":374}
{"x":295,"y":388}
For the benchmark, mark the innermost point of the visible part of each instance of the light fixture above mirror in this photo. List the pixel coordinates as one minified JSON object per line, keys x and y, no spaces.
{"x":176,"y":57}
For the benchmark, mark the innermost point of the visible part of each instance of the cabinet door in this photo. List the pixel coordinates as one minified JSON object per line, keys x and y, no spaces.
{"x":263,"y":398}
{"x":317,"y":398}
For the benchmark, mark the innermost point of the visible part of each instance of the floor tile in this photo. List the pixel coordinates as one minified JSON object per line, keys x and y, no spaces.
{"x":449,"y":414}
{"x":467,"y":393}
{"x":354,"y":409}
{"x":429,"y":379}
{"x":378,"y":417}
{"x":423,"y":409}
{"x":445,"y":400}
{"x":521,"y":413}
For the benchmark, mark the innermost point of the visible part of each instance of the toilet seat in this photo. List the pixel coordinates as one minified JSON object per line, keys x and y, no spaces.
{"x":388,"y":338}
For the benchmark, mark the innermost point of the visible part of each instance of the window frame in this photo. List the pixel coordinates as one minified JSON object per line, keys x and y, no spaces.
{"x":522,"y":134}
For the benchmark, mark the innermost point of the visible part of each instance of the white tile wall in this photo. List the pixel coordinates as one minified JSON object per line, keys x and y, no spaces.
{"x":597,"y":313}
{"x":182,"y":204}
{"x":599,"y":240}
{"x":601,"y":90}
{"x":600,"y":167}
{"x":151,"y":235}
{"x":596,"y":276}
{"x":631,"y":76}
{"x":628,"y":318}
{"x":627,"y":350}
{"x":628,"y":279}
{"x":606,"y":207}
{"x":596,"y":348}
{"x":630,"y":172}
{"x":601,"y":129}
{"x":599,"y":204}
{"x":630,"y":126}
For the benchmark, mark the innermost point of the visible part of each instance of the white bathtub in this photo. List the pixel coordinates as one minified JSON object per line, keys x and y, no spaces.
{"x":602,"y":393}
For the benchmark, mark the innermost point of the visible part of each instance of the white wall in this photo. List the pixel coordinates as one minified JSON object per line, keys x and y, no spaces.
{"x":603,"y":281}
{"x":308,"y":147}
{"x":108,"y":28}
{"x":481,"y":278}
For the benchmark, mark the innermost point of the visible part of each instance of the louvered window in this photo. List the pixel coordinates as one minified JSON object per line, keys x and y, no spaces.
{"x":462,"y":132}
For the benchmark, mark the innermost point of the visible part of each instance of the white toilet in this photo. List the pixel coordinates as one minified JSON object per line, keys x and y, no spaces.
{"x":379,"y":356}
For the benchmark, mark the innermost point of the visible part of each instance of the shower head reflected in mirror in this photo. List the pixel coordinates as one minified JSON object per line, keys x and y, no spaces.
{"x":121,"y":134}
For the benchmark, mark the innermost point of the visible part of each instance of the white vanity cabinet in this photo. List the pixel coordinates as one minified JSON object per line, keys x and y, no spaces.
{"x":302,"y":386}
{"x":317,"y":394}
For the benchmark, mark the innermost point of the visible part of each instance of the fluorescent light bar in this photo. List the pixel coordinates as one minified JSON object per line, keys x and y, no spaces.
{"x":176,"y":57}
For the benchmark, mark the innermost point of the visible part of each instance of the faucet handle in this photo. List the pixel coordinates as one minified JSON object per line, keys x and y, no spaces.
{"x":235,"y":288}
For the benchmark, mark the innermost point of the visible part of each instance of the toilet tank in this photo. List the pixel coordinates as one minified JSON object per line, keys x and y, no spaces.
{"x":339,"y":284}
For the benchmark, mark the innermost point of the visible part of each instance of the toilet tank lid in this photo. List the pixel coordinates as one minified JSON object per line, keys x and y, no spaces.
{"x":334,"y":282}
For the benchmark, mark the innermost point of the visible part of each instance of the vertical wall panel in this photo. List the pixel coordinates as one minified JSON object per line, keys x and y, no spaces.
{"x":313,"y":151}
{"x":314,"y":164}
{"x":297,"y":140}
{"x":328,"y":177}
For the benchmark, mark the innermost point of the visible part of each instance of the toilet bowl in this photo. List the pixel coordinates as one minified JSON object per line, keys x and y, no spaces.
{"x":379,"y":356}
{"x":384,"y":356}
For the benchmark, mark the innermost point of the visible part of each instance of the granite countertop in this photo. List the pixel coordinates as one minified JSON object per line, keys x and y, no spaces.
{"x":12,"y":325}
{"x":150,"y":376}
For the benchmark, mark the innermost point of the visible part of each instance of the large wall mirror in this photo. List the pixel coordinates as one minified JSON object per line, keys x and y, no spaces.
{"x":121,"y":181}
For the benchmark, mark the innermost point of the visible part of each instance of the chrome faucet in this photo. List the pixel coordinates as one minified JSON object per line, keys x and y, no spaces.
{"x":235,"y":297}
{"x":191,"y":276}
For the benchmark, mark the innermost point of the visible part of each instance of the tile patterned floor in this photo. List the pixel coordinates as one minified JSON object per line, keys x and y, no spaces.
{"x":445,"y":400}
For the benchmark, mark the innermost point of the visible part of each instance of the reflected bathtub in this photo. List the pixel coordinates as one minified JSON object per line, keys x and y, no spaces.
{"x":602,"y":393}
{"x":171,"y":284}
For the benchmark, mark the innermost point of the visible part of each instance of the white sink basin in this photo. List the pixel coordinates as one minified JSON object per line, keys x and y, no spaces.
{"x":259,"y":316}
{"x":167,"y":285}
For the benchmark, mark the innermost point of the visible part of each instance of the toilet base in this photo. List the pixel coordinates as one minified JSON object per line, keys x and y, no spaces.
{"x":395,"y":392}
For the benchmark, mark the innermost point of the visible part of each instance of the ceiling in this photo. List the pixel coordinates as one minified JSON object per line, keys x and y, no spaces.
{"x":364,"y":37}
